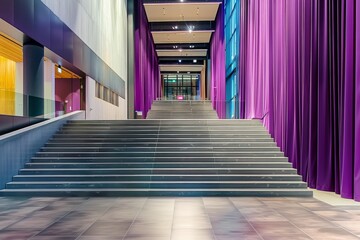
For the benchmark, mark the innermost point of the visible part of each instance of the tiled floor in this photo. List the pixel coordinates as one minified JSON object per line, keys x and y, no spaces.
{"x":176,"y":218}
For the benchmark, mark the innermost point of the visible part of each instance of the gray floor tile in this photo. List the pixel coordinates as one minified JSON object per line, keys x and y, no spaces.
{"x":329,"y":234}
{"x":176,"y":218}
{"x":193,"y":222}
{"x":192,"y":234}
{"x":108,"y":229}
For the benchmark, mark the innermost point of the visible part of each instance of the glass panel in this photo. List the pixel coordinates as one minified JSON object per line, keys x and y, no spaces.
{"x":232,"y":20}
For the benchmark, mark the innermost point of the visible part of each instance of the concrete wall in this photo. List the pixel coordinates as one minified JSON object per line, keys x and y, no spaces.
{"x":49,"y":89}
{"x":19,"y":89}
{"x":102,"y":25}
{"x":98,"y":109}
{"x":18,"y":147}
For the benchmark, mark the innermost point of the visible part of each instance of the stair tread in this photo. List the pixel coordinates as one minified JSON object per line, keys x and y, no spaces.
{"x":165,"y":175}
{"x":161,"y":182}
{"x":195,"y":168}
{"x":139,"y":163}
{"x":150,"y":189}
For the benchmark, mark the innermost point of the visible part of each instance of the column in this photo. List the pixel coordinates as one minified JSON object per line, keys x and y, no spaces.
{"x":33,"y":78}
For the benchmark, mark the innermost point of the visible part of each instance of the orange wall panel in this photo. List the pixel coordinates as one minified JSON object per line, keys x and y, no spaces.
{"x":7,"y":86}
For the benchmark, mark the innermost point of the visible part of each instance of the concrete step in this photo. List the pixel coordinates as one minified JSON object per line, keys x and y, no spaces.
{"x":157,"y":185}
{"x":162,"y":131}
{"x":90,"y":171}
{"x":156,"y":192}
{"x":160,"y":158}
{"x":159,"y":154}
{"x":163,"y":177}
{"x":157,"y":159}
{"x":160,"y":149}
{"x":160,"y":135}
{"x":157,"y":127}
{"x":92,"y":165}
{"x":157,"y":144}
{"x":179,"y":140}
{"x":173,"y":123}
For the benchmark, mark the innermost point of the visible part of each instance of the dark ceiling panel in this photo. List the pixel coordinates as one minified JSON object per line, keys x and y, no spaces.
{"x":184,"y":1}
{"x":182,"y":58}
{"x":183,"y":61}
{"x":183,"y":46}
{"x":182,"y":26}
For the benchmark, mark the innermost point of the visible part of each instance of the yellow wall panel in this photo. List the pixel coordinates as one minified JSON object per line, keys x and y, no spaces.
{"x":7,"y":86}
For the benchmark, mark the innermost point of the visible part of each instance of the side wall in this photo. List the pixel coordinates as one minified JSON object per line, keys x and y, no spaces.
{"x":102,"y":25}
{"x":98,"y":109}
{"x":18,"y":147}
{"x":91,"y":36}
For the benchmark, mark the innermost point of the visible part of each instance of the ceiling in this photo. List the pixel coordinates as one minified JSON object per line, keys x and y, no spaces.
{"x":182,"y":53}
{"x":65,"y":73}
{"x":181,"y":30}
{"x":182,"y":37}
{"x":10,"y":49}
{"x":181,"y":68}
{"x":167,"y":12}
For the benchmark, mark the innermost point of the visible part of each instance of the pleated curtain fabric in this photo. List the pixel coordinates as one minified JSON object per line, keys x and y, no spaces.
{"x":147,"y":73}
{"x":300,"y":72}
{"x":217,"y":65}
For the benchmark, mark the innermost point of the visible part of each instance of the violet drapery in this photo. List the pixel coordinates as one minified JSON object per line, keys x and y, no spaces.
{"x":147,"y":73}
{"x":217,"y":54}
{"x":300,"y":66}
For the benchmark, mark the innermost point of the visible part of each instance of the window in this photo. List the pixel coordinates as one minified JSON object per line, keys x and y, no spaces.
{"x":232,"y":46}
{"x":106,"y":94}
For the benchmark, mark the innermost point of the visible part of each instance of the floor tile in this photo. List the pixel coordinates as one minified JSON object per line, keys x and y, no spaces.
{"x":17,"y":234}
{"x":108,"y":229}
{"x":328,"y":234}
{"x":193,"y":222}
{"x":351,"y":226}
{"x":176,"y":218}
{"x":192,"y":234}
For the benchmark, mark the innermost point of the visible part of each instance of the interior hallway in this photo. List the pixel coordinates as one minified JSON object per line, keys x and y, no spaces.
{"x":178,"y":218}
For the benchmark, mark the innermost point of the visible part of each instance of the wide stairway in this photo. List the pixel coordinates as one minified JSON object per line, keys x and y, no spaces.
{"x":182,"y":110}
{"x":159,"y":158}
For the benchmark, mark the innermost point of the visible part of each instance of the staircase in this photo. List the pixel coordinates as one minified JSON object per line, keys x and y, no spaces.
{"x":159,"y":158}
{"x":182,"y":110}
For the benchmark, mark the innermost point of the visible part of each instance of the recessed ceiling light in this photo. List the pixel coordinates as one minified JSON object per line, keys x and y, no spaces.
{"x":179,"y":60}
{"x":194,"y":61}
{"x":191,"y":28}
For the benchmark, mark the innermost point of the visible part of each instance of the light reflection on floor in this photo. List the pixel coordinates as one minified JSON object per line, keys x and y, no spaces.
{"x":177,"y":218}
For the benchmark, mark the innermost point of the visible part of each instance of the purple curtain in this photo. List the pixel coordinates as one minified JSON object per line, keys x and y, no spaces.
{"x":300,"y":64}
{"x":217,"y":50}
{"x":147,"y":72}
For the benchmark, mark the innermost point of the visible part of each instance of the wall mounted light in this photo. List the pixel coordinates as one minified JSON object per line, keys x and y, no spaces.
{"x":59,"y":69}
